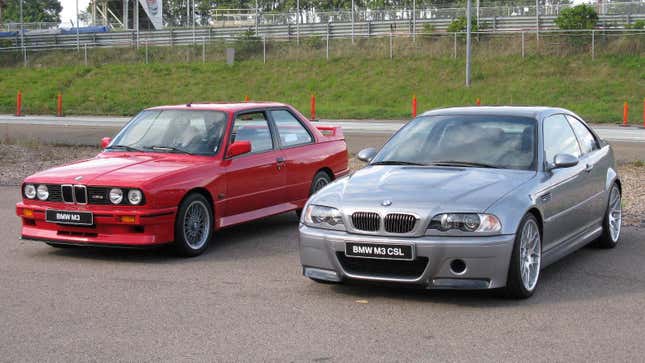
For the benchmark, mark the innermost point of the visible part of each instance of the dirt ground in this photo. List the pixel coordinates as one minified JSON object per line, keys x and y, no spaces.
{"x":23,"y":159}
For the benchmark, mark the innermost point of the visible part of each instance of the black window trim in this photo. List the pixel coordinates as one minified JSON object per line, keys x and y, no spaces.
{"x":282,"y":147}
{"x":271,"y":132}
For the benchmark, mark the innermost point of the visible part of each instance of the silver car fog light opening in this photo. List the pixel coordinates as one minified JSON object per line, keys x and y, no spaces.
{"x":320,"y":274}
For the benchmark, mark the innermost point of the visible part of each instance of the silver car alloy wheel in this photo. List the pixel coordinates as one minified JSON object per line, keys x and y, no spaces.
{"x":196,"y":224}
{"x":530,"y":254}
{"x":615,"y":214}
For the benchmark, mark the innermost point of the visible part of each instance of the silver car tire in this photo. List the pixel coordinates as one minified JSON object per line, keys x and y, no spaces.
{"x":612,"y":220}
{"x":525,"y":264}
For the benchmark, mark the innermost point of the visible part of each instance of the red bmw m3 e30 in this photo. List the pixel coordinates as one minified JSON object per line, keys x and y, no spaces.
{"x":178,"y":173}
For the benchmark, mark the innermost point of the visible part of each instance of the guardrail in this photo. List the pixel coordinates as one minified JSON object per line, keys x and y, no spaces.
{"x":171,"y":37}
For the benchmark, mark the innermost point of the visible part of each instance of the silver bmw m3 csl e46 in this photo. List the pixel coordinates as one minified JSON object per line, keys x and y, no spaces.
{"x":467,"y":198}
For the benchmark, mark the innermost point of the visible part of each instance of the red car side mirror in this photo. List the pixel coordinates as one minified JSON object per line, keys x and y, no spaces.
{"x":105,"y":142}
{"x":238,"y":148}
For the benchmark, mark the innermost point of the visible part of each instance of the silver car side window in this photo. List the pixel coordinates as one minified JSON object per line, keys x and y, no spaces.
{"x":587,"y":141}
{"x":559,"y":138}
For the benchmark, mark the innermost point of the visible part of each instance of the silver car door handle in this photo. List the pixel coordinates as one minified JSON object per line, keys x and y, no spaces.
{"x":589,"y":168}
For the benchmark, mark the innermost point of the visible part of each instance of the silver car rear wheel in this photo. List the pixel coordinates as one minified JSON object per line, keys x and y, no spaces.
{"x":614,"y":215}
{"x":530,"y":255}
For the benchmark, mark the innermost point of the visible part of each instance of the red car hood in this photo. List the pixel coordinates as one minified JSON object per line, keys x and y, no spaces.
{"x":123,"y":169}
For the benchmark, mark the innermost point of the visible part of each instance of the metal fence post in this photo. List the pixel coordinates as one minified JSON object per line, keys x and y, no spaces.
{"x":327,"y":49}
{"x":454,"y":50}
{"x":85,"y":53}
{"x":264,"y":49}
{"x":203,"y":49}
{"x":391,"y":48}
{"x":593,"y":44}
{"x":146,"y":51}
{"x":522,"y":45}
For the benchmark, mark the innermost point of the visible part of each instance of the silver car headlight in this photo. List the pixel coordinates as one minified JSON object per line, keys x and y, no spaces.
{"x":323,"y":217}
{"x":466,"y":222}
{"x":135,"y":196}
{"x":42,"y":192}
{"x":116,"y":196}
{"x":30,"y":191}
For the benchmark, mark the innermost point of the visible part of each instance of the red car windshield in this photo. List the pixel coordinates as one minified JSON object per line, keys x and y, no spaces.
{"x":182,"y":131}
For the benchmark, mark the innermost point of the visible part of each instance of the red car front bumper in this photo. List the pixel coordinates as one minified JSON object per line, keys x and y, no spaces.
{"x":139,"y":228}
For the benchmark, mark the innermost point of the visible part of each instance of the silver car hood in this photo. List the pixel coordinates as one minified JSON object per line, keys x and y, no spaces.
{"x":429,"y":189}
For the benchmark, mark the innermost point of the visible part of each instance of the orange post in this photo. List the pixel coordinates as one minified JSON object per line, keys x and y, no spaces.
{"x":59,"y":105}
{"x":625,"y":113}
{"x":313,"y":107}
{"x":246,"y":98}
{"x":414,"y":106}
{"x":478,"y":102}
{"x":19,"y":104}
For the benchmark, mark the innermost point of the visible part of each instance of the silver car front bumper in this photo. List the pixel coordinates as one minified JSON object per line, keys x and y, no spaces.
{"x":322,"y":255}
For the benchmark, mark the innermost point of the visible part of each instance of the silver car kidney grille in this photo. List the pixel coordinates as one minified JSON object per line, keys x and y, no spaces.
{"x":366,"y":221}
{"x":400,"y":223}
{"x":393,"y":222}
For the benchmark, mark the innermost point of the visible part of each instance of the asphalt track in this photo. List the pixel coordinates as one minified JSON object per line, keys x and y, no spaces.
{"x":246,"y":300}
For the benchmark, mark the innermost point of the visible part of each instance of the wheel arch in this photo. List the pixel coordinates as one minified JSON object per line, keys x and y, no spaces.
{"x":538,"y":215}
{"x":326,"y":170}
{"x":205,"y":193}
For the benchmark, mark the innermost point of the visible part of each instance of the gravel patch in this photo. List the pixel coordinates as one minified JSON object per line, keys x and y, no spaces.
{"x":21,"y":160}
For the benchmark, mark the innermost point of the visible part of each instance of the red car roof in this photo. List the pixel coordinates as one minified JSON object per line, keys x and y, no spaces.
{"x":222,"y":106}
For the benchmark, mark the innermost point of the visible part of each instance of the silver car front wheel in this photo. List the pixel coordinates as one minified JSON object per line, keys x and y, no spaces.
{"x":530,"y":255}
{"x":524,"y":267}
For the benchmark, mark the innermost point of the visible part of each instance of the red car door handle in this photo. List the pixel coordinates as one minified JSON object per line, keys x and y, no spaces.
{"x":280,"y":162}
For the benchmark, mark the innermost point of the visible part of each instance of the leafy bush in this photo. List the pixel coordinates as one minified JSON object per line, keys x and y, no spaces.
{"x":638,"y":24}
{"x":459,"y":25}
{"x":578,"y":17}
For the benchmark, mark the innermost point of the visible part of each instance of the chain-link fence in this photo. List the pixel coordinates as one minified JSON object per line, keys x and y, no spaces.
{"x":591,"y":44}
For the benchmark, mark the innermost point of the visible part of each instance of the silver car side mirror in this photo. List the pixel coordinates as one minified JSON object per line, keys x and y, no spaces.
{"x":366,"y":155}
{"x":564,"y":161}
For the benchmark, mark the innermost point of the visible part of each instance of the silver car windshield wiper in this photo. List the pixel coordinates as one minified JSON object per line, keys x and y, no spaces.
{"x":125,"y":147}
{"x":169,"y":148}
{"x":462,"y":163}
{"x":396,"y":162}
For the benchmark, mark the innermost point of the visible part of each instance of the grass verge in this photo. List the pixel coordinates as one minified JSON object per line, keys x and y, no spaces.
{"x":344,"y":87}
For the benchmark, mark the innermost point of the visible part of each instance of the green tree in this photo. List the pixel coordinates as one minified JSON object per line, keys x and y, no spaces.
{"x":578,"y":17}
{"x":33,"y":11}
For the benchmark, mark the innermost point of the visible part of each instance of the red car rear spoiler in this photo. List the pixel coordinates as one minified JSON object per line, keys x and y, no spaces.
{"x":331,"y":132}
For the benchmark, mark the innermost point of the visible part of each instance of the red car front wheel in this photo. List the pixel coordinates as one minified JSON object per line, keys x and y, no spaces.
{"x":194,"y":225}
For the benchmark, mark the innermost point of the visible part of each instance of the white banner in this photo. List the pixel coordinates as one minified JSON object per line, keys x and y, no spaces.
{"x":154,"y":10}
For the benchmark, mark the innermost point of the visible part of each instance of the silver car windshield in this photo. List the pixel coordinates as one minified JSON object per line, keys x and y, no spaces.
{"x":172,"y":131}
{"x":480,"y":141}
